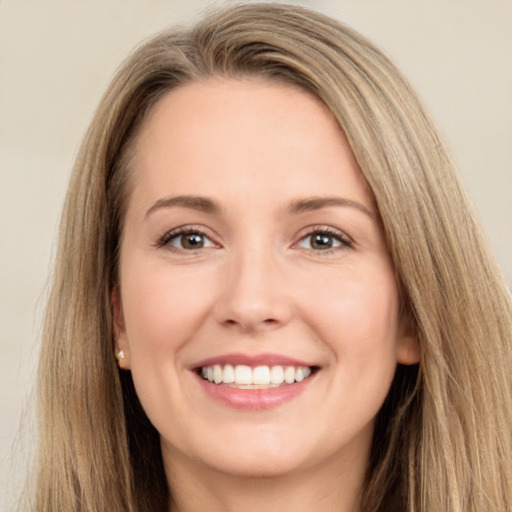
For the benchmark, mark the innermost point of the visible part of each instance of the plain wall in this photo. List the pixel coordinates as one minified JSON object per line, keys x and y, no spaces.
{"x":56,"y":58}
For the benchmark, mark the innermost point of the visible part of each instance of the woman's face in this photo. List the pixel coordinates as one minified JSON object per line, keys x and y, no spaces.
{"x":257,"y":308}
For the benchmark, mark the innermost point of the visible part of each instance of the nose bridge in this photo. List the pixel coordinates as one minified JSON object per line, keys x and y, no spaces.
{"x":254,"y":293}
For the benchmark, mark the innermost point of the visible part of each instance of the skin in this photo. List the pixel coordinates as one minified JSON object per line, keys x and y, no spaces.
{"x":258,"y":285}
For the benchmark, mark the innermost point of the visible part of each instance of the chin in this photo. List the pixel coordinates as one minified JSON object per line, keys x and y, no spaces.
{"x":257,"y":465}
{"x":251,"y":454}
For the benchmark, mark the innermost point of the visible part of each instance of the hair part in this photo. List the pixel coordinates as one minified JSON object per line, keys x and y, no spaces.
{"x":443,"y":437}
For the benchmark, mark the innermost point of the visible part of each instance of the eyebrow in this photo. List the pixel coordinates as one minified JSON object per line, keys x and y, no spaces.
{"x":316,"y":203}
{"x":207,"y":205}
{"x":202,"y":204}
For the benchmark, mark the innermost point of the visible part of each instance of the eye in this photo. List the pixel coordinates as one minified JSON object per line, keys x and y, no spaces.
{"x":186,"y":240}
{"x":324,"y":240}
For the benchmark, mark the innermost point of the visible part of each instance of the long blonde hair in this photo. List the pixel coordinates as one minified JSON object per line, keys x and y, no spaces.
{"x":443,"y":440}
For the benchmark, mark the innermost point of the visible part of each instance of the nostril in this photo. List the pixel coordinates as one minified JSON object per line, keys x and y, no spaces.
{"x":252,"y":312}
{"x":247,"y":325}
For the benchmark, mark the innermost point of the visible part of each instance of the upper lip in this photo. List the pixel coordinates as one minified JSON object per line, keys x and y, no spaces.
{"x":251,"y":360}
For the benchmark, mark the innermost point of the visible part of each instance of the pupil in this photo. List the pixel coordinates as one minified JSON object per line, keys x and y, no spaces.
{"x":193,"y":241}
{"x":321,"y":242}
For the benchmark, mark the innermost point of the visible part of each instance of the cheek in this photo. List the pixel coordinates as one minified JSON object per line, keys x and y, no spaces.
{"x":356,"y":319}
{"x":162,"y":307}
{"x":357,"y":311}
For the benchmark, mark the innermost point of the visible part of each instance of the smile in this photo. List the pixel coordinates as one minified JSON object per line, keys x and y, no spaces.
{"x":260,"y":377}
{"x":254,"y":382}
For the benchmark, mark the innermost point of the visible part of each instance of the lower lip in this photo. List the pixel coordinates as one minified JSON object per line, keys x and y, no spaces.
{"x":254,"y":399}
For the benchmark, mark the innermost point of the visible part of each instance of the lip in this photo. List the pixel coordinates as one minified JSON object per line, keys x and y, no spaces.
{"x":251,"y":360}
{"x":252,"y":399}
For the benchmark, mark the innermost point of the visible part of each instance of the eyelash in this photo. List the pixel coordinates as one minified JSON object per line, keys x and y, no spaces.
{"x":165,"y":240}
{"x":344,"y":241}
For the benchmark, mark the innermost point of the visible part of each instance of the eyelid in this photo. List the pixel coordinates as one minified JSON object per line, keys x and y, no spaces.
{"x":163,"y":241}
{"x":346,"y":241}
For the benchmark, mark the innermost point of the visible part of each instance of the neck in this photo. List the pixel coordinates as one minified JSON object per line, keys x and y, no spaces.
{"x":326,"y":488}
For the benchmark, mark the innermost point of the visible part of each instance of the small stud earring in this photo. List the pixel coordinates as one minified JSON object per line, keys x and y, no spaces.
{"x":120,"y":355}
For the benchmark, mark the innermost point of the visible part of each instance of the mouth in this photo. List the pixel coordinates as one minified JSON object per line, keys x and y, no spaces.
{"x":254,"y":382}
{"x":242,"y":376}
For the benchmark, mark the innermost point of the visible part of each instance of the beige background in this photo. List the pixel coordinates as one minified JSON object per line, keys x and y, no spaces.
{"x":56,"y":58}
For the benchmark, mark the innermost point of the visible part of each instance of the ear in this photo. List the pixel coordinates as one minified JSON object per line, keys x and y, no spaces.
{"x":408,"y":350}
{"x":121,"y":348}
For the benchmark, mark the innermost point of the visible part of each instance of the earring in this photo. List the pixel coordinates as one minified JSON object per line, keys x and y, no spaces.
{"x":120,"y":355}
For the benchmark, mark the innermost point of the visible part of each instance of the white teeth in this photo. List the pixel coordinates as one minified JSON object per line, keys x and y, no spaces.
{"x":277,"y":375}
{"x":261,"y":375}
{"x":302,"y":373}
{"x":289,"y":375}
{"x":217,"y":373}
{"x":229,"y":374}
{"x":243,"y":375}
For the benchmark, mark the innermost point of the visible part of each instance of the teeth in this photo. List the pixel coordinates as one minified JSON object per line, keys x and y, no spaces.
{"x":217,"y":374}
{"x":289,"y":375}
{"x":261,"y":375}
{"x":277,"y":375}
{"x":244,"y":376}
{"x":228,"y":376}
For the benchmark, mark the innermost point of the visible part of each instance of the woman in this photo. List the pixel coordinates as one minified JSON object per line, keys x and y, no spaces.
{"x":265,"y":229}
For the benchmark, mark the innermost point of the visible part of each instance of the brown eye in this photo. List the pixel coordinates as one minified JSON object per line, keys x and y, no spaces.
{"x":322,"y":240}
{"x":192,"y":241}
{"x":186,"y":241}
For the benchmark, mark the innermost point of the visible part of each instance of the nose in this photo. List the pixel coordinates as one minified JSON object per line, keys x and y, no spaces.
{"x":253,"y":295}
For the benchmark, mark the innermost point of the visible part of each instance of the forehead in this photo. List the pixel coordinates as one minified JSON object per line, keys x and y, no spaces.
{"x":234,"y":135}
